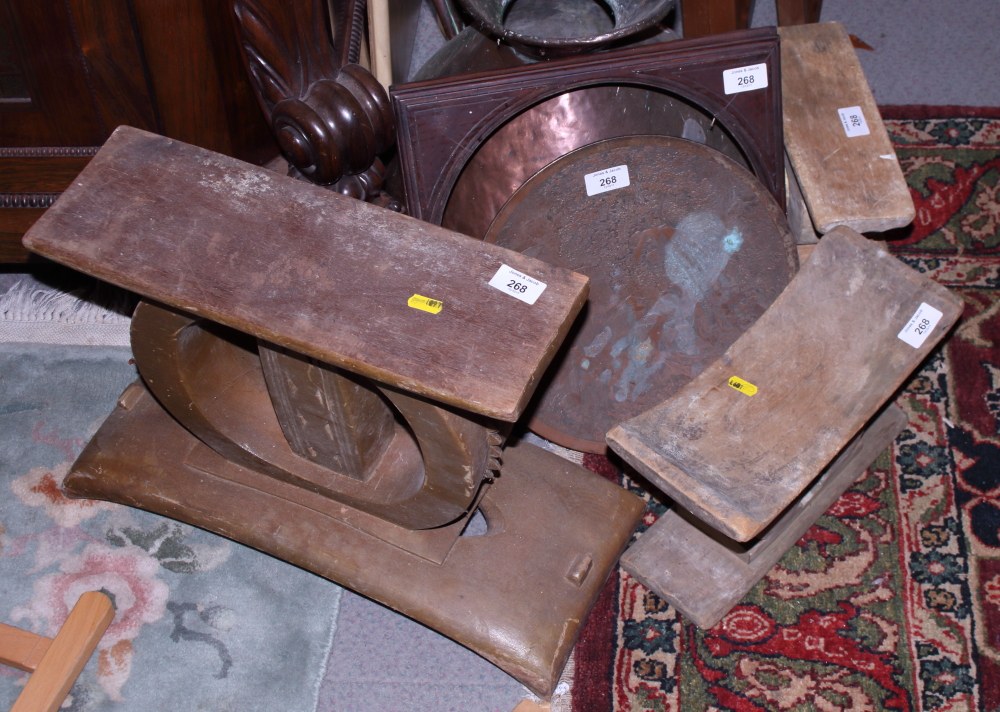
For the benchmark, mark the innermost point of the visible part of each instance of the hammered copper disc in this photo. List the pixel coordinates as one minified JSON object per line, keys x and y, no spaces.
{"x":545,"y":132}
{"x":681,"y":262}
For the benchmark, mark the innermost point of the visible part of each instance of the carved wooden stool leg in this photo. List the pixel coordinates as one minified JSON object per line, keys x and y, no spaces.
{"x":704,"y":574}
{"x":272,"y":414}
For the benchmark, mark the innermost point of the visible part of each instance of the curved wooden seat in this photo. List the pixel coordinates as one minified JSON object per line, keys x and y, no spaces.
{"x":820,"y":362}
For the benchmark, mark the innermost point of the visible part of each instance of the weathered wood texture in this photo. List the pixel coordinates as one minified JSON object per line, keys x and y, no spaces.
{"x":824,"y":357}
{"x":69,"y":651}
{"x":799,"y":221}
{"x":704,"y":574}
{"x":442,"y":122}
{"x":311,"y":270}
{"x":853,"y":181}
{"x":517,"y":596}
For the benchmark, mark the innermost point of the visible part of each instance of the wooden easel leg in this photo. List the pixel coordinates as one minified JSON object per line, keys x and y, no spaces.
{"x":798,"y":12}
{"x":710,"y":17}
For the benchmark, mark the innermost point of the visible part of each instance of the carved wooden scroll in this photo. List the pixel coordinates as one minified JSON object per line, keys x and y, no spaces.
{"x":330,"y":116}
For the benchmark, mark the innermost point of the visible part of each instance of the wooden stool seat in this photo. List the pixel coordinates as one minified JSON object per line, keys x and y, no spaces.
{"x":311,"y":270}
{"x":840,"y":153}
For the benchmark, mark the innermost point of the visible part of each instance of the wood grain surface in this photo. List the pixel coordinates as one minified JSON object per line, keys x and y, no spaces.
{"x":21,"y":649}
{"x":311,"y":270}
{"x":824,"y":358}
{"x":517,"y":596}
{"x":852,"y":181}
{"x":70,"y":649}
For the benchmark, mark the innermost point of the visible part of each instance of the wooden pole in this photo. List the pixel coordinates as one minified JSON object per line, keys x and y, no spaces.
{"x":21,"y":649}
{"x":70,"y":649}
{"x":379,"y":42}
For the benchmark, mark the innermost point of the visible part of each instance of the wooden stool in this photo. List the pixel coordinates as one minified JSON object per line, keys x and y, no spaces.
{"x":746,"y":438}
{"x":331,"y":383}
{"x":55,"y":663}
{"x":844,"y":168}
{"x":742,"y":440}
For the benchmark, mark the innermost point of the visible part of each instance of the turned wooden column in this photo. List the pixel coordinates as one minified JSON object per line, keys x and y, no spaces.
{"x":330,"y":116}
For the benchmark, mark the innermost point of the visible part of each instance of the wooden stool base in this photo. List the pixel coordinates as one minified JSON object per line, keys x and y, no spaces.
{"x":704,"y":574}
{"x":516,"y":595}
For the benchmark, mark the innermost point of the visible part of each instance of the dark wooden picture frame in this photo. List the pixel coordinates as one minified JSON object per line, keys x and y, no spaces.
{"x":442,"y":122}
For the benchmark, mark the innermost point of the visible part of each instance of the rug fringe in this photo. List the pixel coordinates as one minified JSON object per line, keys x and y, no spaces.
{"x":26,"y":303}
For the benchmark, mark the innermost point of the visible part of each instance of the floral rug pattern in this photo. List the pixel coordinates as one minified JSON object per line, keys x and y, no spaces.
{"x":199,"y":620}
{"x":891,"y":601}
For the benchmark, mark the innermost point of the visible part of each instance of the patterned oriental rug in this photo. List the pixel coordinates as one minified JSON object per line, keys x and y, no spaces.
{"x":892,"y":600}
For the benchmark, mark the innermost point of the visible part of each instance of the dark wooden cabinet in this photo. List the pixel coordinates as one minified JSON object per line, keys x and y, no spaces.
{"x":71,"y":72}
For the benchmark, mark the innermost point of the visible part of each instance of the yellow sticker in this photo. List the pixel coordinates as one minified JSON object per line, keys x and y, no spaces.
{"x":425,"y":304}
{"x":742,"y":386}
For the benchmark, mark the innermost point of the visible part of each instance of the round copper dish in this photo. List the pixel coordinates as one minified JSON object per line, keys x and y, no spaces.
{"x":682,"y":260}
{"x":533,"y":139}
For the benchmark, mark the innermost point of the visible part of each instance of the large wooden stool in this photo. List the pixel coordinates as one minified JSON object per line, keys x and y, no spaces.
{"x":330,"y":382}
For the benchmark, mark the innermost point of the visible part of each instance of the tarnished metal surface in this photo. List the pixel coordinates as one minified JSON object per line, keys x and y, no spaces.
{"x":559,"y":28}
{"x":535,"y":138}
{"x":473,"y":50}
{"x":681,"y":262}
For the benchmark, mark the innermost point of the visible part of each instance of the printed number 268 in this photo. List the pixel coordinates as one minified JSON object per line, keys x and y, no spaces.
{"x":611,"y":180}
{"x":517,"y":286}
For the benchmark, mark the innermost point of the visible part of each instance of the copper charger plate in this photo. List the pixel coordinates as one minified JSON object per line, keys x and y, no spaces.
{"x":683,"y":257}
